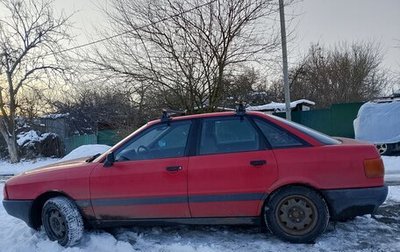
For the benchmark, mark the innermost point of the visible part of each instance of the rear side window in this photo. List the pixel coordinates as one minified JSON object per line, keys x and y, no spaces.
{"x":277,"y":137}
{"x":224,"y":135}
{"x":321,"y":137}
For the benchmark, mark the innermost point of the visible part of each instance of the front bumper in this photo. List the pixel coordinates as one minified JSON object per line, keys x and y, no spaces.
{"x":20,"y":209}
{"x":348,"y":203}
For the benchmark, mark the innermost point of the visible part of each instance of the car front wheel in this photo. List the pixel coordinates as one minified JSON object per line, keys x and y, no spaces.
{"x":62,"y":221}
{"x":296,"y":214}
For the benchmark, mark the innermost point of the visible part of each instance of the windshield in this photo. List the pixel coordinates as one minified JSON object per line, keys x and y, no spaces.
{"x":321,"y":137}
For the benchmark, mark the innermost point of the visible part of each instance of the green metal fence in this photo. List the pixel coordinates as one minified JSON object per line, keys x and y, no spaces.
{"x":108,"y":137}
{"x":335,"y":121}
{"x":76,"y":141}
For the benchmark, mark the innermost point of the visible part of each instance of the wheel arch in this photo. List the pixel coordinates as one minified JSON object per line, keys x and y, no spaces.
{"x":35,"y":219}
{"x":277,"y":189}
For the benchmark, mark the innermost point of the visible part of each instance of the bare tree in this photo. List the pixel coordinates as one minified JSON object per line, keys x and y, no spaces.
{"x":31,"y":35}
{"x":184,"y":48}
{"x":346,"y":73}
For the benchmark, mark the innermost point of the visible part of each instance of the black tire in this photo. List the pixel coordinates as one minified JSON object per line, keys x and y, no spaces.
{"x":62,"y":221}
{"x":296,"y":214}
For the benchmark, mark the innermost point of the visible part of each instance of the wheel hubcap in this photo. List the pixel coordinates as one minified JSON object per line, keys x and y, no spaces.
{"x":296,"y":215}
{"x":56,"y":223}
{"x":382,"y":148}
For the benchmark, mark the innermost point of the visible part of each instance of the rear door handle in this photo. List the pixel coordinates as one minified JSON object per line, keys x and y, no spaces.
{"x":174,"y":168}
{"x":258,"y":162}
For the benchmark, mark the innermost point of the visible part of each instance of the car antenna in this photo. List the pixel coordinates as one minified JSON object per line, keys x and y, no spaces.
{"x":240,"y":109}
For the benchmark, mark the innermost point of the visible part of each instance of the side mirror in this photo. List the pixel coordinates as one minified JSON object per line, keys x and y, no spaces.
{"x":110,"y":159}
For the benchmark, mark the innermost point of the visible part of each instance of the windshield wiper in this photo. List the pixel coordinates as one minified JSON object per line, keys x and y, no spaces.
{"x":93,"y":158}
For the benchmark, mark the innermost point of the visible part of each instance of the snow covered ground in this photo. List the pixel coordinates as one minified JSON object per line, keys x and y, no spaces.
{"x":392,"y":169}
{"x":366,"y":233}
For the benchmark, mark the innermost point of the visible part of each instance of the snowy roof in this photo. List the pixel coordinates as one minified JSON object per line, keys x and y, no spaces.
{"x":54,"y":116}
{"x":276,"y":106}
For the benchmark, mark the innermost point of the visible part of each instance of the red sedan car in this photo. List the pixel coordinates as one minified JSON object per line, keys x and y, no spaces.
{"x":218,"y":168}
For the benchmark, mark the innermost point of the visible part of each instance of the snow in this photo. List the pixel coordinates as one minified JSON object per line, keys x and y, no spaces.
{"x":24,"y":165}
{"x":82,"y":151}
{"x":394,"y":194}
{"x":25,"y":138}
{"x":55,"y":116}
{"x":29,"y":136}
{"x":275,"y":106}
{"x":392,"y":168}
{"x":86,"y":151}
{"x":378,"y":122}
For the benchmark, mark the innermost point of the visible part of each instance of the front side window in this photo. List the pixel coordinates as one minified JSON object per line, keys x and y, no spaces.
{"x":277,"y":137}
{"x":159,"y":141}
{"x":224,"y":135}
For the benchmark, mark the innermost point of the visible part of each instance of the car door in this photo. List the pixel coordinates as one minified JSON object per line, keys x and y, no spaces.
{"x":232,"y":169}
{"x":148,"y":178}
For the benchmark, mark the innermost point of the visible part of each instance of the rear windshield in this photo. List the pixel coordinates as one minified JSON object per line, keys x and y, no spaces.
{"x":321,"y":137}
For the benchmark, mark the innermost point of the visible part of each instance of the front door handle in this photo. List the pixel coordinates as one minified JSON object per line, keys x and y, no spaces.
{"x":258,"y":162}
{"x":174,"y":168}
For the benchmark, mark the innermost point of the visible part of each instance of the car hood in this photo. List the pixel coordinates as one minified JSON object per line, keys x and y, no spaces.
{"x":71,"y":169}
{"x":68,"y":164}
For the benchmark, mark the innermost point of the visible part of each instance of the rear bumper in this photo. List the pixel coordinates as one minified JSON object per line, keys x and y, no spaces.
{"x":20,"y":209}
{"x":348,"y":203}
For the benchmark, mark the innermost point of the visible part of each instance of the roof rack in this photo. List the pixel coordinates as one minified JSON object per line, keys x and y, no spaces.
{"x":168,"y":114}
{"x":165,"y":116}
{"x":240,"y":108}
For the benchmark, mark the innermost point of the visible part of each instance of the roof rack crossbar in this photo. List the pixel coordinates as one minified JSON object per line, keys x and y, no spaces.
{"x":165,"y":117}
{"x":240,"y":109}
{"x":168,"y":114}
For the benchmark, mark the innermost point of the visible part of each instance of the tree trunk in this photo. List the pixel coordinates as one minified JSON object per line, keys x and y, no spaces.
{"x":11,"y":144}
{"x":13,"y":150}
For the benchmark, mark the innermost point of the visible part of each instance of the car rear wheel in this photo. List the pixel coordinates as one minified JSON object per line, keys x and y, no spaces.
{"x":296,"y":214}
{"x":384,"y":149}
{"x":62,"y":221}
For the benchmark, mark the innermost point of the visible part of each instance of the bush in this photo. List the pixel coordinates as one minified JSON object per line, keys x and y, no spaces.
{"x":33,"y":144}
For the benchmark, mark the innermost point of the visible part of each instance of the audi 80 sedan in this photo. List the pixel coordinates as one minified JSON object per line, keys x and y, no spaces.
{"x":216,"y":168}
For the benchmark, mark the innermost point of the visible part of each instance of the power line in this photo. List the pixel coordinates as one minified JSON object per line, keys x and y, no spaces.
{"x":125,"y":32}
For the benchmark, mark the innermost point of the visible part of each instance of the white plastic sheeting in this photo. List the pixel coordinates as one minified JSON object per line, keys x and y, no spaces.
{"x":276,"y":106}
{"x":378,"y":122}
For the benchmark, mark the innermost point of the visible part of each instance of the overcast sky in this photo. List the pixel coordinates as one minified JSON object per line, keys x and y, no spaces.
{"x":323,"y":21}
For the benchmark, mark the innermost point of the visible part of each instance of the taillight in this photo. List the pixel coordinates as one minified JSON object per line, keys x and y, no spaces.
{"x":374,"y":168}
{"x":5,"y":193}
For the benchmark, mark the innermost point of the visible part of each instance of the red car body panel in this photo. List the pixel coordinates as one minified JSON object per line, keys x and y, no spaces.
{"x":69,"y":178}
{"x":230,"y":174}
{"x":113,"y":187}
{"x":326,"y":167}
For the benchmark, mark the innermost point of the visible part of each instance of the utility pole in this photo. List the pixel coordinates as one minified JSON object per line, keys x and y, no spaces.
{"x":285,"y":63}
